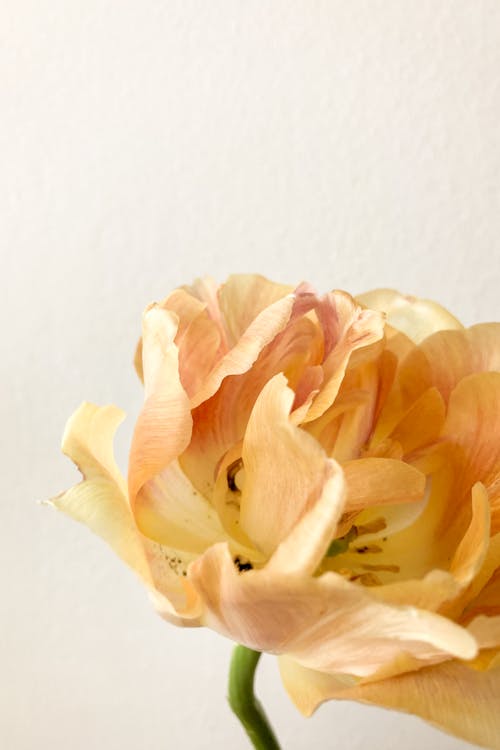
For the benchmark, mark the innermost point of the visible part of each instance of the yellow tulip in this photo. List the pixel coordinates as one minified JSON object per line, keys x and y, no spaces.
{"x":317,"y":477}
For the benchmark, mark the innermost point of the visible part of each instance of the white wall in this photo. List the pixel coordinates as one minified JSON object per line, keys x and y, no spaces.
{"x":354,"y":143}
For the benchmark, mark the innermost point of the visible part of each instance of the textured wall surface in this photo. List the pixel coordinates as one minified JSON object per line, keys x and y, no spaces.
{"x":353,"y":143}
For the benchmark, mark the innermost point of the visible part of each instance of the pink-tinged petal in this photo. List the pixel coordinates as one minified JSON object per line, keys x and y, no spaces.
{"x":261,"y":331}
{"x":347,"y":328}
{"x":381,"y":481}
{"x":326,"y":622}
{"x":417,"y":318}
{"x":198,"y":339}
{"x":285,"y":468}
{"x":100,"y":502}
{"x":445,"y":358}
{"x":473,"y":428}
{"x":163,"y":429}
{"x":220,"y":422}
{"x":453,"y":697}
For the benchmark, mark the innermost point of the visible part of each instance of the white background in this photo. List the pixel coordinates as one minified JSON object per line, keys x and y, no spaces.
{"x":353,"y":143}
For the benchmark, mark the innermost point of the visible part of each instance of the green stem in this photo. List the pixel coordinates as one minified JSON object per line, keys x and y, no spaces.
{"x":242,"y":699}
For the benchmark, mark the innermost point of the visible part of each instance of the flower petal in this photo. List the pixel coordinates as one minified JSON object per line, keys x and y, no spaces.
{"x":261,"y":331}
{"x":100,"y":502}
{"x":417,"y":318}
{"x":381,"y":481}
{"x":164,"y":425}
{"x":326,"y":622}
{"x":453,"y":697}
{"x":347,"y":328}
{"x":243,"y":297}
{"x":447,"y":357}
{"x":171,"y":512}
{"x":285,"y":468}
{"x":473,"y":427}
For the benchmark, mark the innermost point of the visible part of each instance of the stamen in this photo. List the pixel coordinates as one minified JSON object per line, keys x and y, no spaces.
{"x":231,"y":473}
{"x":378,"y":524}
{"x":242,"y":565}
{"x":369,"y":579}
{"x":386,"y":568}
{"x":368,"y":549}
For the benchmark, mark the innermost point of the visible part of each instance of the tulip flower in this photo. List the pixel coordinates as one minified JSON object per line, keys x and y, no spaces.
{"x":315,"y":477}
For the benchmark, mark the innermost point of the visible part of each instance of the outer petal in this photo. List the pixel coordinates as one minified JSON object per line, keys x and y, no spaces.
{"x":473,"y":426}
{"x":417,"y":318}
{"x":453,"y":697}
{"x":100,"y":502}
{"x":447,"y":357}
{"x":325,"y":622}
{"x":163,"y":429}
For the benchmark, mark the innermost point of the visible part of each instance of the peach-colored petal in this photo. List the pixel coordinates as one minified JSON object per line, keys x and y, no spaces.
{"x":243,"y":297}
{"x":198,"y":339}
{"x":422,"y":423}
{"x":417,"y":318}
{"x":453,"y":697}
{"x":473,"y":427}
{"x":381,"y":481}
{"x":285,"y":468}
{"x":447,"y":357}
{"x":487,"y":600}
{"x":163,"y":429}
{"x":326,"y":622}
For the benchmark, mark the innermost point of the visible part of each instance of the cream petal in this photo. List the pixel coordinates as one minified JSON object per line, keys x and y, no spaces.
{"x":453,"y":697}
{"x":417,"y":318}
{"x":163,"y":428}
{"x":486,"y":630}
{"x":285,"y":468}
{"x":172,"y":512}
{"x":325,"y":622}
{"x":100,"y":502}
{"x":448,"y":592}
